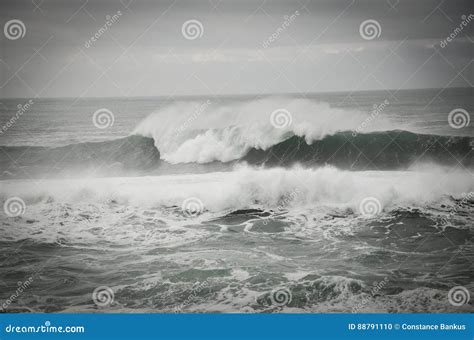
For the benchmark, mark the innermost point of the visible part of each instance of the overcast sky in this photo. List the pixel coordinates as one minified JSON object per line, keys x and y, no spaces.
{"x":144,"y":51}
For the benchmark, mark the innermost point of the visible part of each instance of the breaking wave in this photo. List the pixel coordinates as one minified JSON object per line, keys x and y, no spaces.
{"x":137,"y":155}
{"x":196,"y":137}
{"x":247,"y":187}
{"x":188,"y":132}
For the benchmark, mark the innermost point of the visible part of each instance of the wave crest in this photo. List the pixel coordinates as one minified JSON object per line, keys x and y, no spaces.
{"x":186,"y":132}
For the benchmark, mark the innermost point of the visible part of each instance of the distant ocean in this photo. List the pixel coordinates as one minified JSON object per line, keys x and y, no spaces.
{"x":338,"y":202}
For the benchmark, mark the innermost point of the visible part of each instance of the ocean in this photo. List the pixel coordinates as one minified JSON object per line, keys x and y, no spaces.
{"x":338,"y":202}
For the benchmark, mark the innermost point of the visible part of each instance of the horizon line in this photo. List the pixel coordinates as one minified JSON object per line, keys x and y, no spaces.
{"x":245,"y":94}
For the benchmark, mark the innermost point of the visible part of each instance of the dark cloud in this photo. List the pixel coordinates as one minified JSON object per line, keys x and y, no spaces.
{"x":145,"y":53}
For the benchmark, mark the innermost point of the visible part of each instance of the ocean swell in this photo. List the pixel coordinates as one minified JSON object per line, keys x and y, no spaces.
{"x":133,"y":154}
{"x":388,"y":150}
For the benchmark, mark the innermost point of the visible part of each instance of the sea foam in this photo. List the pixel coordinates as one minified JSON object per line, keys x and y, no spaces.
{"x":248,"y":187}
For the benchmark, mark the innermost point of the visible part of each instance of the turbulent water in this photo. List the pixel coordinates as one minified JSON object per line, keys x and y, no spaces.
{"x":217,"y":205}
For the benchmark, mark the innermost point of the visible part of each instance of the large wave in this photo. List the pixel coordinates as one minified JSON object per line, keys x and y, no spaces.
{"x":137,"y":155}
{"x":207,"y":137}
{"x":186,"y":132}
{"x":281,"y":131}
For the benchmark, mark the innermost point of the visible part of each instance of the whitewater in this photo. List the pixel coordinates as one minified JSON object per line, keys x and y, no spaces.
{"x":245,"y":188}
{"x":227,"y":132}
{"x":272,"y":204}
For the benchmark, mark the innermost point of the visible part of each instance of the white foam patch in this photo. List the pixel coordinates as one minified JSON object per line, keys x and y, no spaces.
{"x":249,"y":187}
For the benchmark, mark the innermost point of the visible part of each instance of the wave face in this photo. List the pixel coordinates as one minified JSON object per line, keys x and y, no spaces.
{"x":100,"y":158}
{"x":187,"y":132}
{"x":377,"y":150}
